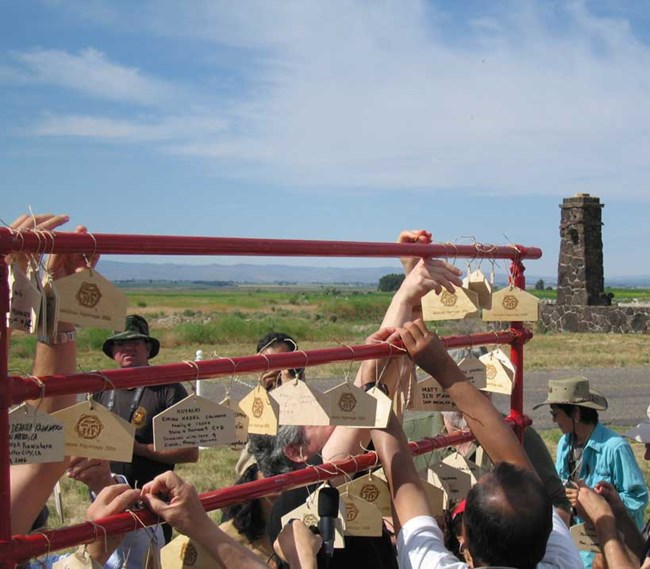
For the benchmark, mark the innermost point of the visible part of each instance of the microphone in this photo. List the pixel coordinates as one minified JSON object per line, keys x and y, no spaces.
{"x":328,"y":511}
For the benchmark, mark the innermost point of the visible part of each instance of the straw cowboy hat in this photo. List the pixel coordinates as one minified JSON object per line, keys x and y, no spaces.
{"x":135,"y":328}
{"x":640,"y":433}
{"x":573,"y":391}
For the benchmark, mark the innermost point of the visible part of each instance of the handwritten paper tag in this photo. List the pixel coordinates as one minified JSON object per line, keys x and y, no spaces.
{"x":193,"y":421}
{"x":262,"y":412}
{"x":458,"y":483}
{"x":458,"y":461}
{"x":477,"y":282}
{"x":24,"y":301}
{"x":92,"y":431}
{"x":241,"y":423}
{"x":34,"y":437}
{"x":498,"y":374}
{"x":372,"y":489}
{"x":300,"y":404}
{"x":361,"y":518}
{"x":88,"y":299}
{"x":80,"y":559}
{"x":585,"y":537}
{"x":383,"y":409}
{"x":183,"y":553}
{"x":430,"y":396}
{"x":437,"y":495}
{"x":511,"y":304}
{"x":350,"y":406}
{"x":474,"y":370}
{"x":463,"y":303}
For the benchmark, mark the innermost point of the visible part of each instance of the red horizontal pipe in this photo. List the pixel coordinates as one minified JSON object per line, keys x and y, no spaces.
{"x":106,"y":243}
{"x":24,"y":547}
{"x":24,"y":388}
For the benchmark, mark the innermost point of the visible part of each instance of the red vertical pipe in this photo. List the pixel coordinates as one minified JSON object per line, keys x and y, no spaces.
{"x":5,"y":398}
{"x":517,"y":347}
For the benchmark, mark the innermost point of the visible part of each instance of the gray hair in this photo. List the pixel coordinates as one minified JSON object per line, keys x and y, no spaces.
{"x":269,"y":450}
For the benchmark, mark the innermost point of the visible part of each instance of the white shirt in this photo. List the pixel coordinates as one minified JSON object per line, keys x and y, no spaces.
{"x":420,"y":544}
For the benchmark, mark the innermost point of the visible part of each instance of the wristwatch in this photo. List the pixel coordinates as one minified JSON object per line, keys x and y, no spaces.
{"x":60,"y":338}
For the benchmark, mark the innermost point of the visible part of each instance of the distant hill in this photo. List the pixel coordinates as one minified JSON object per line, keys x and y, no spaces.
{"x":287,"y":274}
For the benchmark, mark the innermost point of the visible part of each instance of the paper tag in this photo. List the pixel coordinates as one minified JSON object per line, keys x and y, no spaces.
{"x":498,"y":375}
{"x":477,"y":282}
{"x":457,"y":482}
{"x":262,"y":412}
{"x":430,"y":396}
{"x":24,"y":301}
{"x":372,"y":489}
{"x":51,"y":296}
{"x":383,"y":409}
{"x":361,"y":518}
{"x":458,"y":461}
{"x":192,"y":422}
{"x":92,"y":431}
{"x":308,"y":514}
{"x":463,"y":303}
{"x":183,"y":553}
{"x":34,"y":437}
{"x":350,"y":406}
{"x":437,"y":496}
{"x":88,"y":299}
{"x":503,"y":358}
{"x":300,"y":404}
{"x":80,"y":559}
{"x":511,"y":304}
{"x":241,"y":423}
{"x":474,"y":370}
{"x":585,"y":537}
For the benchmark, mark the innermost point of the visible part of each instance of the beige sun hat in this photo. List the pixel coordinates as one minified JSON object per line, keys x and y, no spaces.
{"x":640,"y":433}
{"x":573,"y":391}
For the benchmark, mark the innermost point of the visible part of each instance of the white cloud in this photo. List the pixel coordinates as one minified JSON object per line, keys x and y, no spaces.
{"x":92,"y":73}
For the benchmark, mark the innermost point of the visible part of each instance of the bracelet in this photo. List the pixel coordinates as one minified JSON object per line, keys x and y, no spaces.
{"x":381,"y":386}
{"x":60,"y":338}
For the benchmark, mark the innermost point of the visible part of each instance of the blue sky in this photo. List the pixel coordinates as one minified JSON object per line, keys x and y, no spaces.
{"x":341,"y":119}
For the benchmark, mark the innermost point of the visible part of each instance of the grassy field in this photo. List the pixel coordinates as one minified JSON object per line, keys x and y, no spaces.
{"x":228,"y":322}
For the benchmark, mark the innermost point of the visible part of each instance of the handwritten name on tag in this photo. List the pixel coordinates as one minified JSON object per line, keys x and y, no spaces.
{"x":262,"y":412}
{"x":585,"y":537}
{"x":24,"y":301}
{"x":457,"y":482}
{"x":194,"y":421}
{"x":92,"y":431}
{"x":300,"y":404}
{"x":88,"y":299}
{"x":34,"y":437}
{"x":512,"y":304}
{"x":430,"y":396}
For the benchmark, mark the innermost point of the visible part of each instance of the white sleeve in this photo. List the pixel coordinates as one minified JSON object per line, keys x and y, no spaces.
{"x":420,"y":545}
{"x":561,"y":552}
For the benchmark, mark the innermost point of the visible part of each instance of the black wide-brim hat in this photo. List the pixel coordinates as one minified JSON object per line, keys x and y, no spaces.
{"x":135,"y":328}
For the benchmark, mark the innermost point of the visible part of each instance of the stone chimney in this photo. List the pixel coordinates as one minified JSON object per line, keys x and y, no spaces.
{"x":580,"y":275}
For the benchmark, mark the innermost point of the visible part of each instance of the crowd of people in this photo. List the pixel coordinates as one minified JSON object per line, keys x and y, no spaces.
{"x":517,"y":515}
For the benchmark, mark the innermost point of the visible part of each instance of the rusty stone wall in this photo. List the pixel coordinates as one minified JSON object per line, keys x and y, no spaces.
{"x":580,"y":266}
{"x":617,"y":319}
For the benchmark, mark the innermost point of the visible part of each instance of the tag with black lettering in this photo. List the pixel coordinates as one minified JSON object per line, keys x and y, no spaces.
{"x":34,"y":437}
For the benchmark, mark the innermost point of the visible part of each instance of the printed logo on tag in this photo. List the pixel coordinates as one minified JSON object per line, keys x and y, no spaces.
{"x":347,"y":402}
{"x":88,"y":295}
{"x":89,"y":427}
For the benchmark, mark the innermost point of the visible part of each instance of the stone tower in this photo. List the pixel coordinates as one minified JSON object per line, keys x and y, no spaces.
{"x":580,"y":275}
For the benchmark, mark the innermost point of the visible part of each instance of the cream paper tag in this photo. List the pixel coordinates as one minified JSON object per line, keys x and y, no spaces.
{"x":51,"y":304}
{"x":482,"y":460}
{"x":477,"y":282}
{"x":474,"y":370}
{"x":88,"y":299}
{"x":457,"y":460}
{"x":33,"y":276}
{"x":308,"y":514}
{"x":430,"y":396}
{"x":183,"y":553}
{"x":372,"y":489}
{"x":262,"y":412}
{"x":80,"y":559}
{"x":361,"y":518}
{"x":300,"y":404}
{"x":34,"y":437}
{"x":192,"y":422}
{"x":433,"y":479}
{"x":92,"y":431}
{"x":498,"y":375}
{"x":383,"y":409}
{"x":511,"y":304}
{"x":437,"y":496}
{"x":504,"y":359}
{"x":24,"y":301}
{"x":241,"y":423}
{"x":463,"y":303}
{"x":458,"y":483}
{"x":585,"y":537}
{"x":350,"y":406}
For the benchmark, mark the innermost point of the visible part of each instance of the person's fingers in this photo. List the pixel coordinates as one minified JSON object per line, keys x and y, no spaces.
{"x":53,"y":222}
{"x":110,"y":492}
{"x":380,"y":335}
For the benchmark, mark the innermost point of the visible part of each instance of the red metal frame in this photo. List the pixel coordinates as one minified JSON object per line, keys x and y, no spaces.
{"x":18,"y":389}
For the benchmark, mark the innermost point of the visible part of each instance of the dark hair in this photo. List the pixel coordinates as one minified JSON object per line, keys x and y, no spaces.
{"x":269,"y":450}
{"x":275,"y":338}
{"x":247,"y":517}
{"x":588,"y":416}
{"x":508,"y":518}
{"x":453,"y":525}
